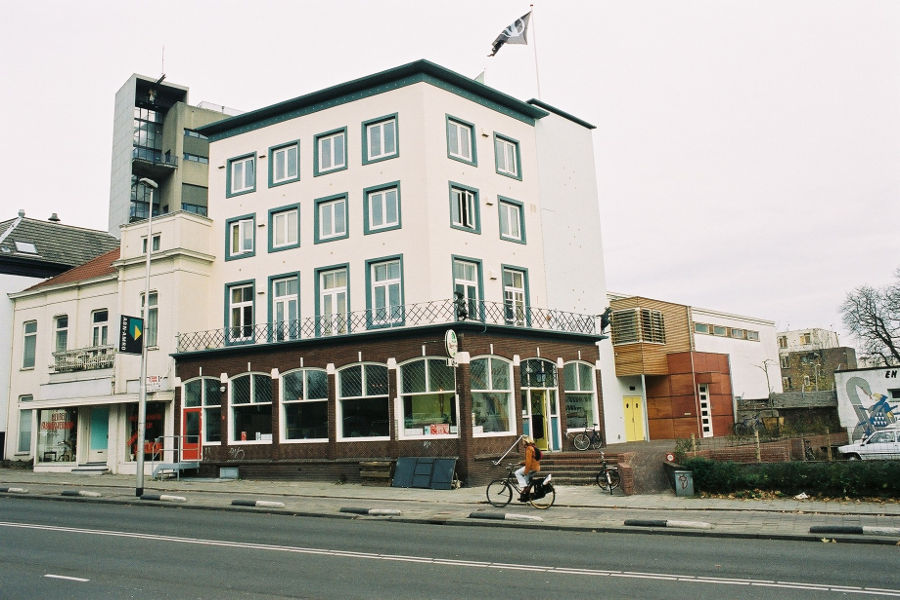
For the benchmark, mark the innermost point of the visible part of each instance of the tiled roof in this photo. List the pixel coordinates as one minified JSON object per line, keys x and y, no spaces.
{"x":102,"y":265}
{"x":51,"y":243}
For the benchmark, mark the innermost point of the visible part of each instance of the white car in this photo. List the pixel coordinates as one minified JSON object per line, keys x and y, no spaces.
{"x":883,"y":444}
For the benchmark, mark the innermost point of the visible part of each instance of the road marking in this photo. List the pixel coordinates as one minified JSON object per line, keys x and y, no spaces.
{"x":767,"y":583}
{"x":66,"y":577}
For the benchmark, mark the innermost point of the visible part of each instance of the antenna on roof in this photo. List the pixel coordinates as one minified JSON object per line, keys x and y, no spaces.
{"x":163,"y":65}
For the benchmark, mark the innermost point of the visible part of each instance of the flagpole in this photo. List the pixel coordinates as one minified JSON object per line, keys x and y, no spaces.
{"x":537,"y":75}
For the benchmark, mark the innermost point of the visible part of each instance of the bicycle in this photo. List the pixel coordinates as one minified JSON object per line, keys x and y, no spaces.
{"x":808,"y":453}
{"x":608,"y":478}
{"x":541,"y":495}
{"x":583,"y":441}
{"x":749,"y":425}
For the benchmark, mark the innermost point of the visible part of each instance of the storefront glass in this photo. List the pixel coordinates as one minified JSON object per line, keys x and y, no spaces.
{"x":154,"y":429}
{"x":57,"y":433}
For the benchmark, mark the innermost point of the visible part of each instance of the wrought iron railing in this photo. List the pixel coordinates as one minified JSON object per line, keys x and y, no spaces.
{"x":84,"y":359}
{"x":411,"y":315}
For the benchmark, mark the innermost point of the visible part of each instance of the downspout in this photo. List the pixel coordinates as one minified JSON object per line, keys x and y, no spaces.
{"x":697,"y":411}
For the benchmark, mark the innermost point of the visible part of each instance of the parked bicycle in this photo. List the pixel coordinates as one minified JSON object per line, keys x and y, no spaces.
{"x":749,"y":425}
{"x":808,"y":452}
{"x":608,"y":478}
{"x":541,"y":495}
{"x":588,"y":438}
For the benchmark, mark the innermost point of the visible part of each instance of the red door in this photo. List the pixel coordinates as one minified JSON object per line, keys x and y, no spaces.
{"x":190,"y":442}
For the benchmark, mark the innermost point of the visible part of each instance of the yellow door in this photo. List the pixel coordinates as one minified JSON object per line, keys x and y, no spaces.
{"x":634,"y":419}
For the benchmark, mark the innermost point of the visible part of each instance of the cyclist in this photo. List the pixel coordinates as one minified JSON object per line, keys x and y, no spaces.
{"x":530,"y":466}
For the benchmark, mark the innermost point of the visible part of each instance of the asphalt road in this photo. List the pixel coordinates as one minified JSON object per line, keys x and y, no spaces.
{"x":88,"y":550}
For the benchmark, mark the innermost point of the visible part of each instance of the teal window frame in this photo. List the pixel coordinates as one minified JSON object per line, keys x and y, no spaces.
{"x":317,"y":159}
{"x":498,"y":138}
{"x":475,"y":312}
{"x":392,"y":319}
{"x":29,"y":343}
{"x":319,"y":202}
{"x":229,"y":177}
{"x":470,"y":127}
{"x":293,"y":331}
{"x":273,"y":213}
{"x":241,"y":340}
{"x":455,"y":208}
{"x":366,"y":156}
{"x":503,"y":203}
{"x":278,"y":148}
{"x":368,"y":228}
{"x":319,"y":272}
{"x":526,"y":294}
{"x":229,"y":250}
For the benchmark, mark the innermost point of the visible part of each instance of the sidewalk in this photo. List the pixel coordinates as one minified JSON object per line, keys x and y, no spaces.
{"x":580,"y":508}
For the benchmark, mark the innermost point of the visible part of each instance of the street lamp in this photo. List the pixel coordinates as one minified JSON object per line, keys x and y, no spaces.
{"x":142,"y":401}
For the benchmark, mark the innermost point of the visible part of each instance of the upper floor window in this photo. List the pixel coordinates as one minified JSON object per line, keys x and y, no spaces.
{"x":464,"y":210}
{"x":331,"y":218}
{"x":240,"y":231}
{"x":385,"y":298}
{"x":382,"y":206}
{"x":720,"y":330}
{"x":782,"y":341}
{"x":506,"y":152}
{"x":240,"y":312}
{"x":461,"y":140}
{"x":99,"y":327}
{"x":284,"y":293}
{"x":467,"y":287}
{"x":786,"y":361}
{"x":29,"y":344}
{"x":806,"y":338}
{"x":155,"y":245}
{"x":701,"y":328}
{"x":331,"y":151}
{"x":151,"y":327}
{"x":512,"y":220}
{"x":638,"y":325}
{"x":284,"y":163}
{"x":62,"y":333}
{"x":241,"y":175}
{"x":737,"y":333}
{"x":334,"y":301}
{"x":380,"y":139}
{"x":514,"y":296}
{"x":284,"y":228}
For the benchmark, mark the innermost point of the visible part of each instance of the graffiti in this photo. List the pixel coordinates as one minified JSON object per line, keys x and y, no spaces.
{"x":876,"y":415}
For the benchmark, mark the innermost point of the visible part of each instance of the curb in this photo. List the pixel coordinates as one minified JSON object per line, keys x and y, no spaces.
{"x":81,"y":493}
{"x":14,"y":490}
{"x":370,"y":511}
{"x":504,"y":516}
{"x":668,"y":523}
{"x":855,"y":530}
{"x":261,"y":503}
{"x":164,"y":497}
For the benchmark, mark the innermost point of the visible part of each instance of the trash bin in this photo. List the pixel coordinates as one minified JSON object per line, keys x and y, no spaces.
{"x":684,"y":483}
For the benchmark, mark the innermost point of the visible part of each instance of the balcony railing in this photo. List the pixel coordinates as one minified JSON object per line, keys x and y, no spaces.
{"x":84,"y":359}
{"x":153,"y":156}
{"x":401,"y":317}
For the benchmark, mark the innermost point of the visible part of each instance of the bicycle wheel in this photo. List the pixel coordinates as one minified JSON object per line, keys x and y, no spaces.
{"x":740,"y":429}
{"x":597,"y":442}
{"x":499,"y":493}
{"x":581,"y":441}
{"x":547,"y":500}
{"x":604,"y":483}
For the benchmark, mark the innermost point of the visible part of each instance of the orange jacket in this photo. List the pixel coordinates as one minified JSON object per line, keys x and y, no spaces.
{"x":531,"y":463}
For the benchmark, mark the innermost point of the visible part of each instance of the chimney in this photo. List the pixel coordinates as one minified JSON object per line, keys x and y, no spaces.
{"x":54,"y":218}
{"x":21,"y":212}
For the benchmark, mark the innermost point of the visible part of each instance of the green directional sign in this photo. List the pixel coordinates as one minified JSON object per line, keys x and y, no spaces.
{"x":131,"y":335}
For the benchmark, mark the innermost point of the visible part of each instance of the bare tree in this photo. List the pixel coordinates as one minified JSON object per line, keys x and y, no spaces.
{"x":873,"y":316}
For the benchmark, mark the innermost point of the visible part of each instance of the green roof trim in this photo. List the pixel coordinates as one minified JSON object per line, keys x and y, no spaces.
{"x":561,"y":113}
{"x":421,"y":71}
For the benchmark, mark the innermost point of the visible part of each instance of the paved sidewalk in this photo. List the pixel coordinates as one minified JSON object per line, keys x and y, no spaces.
{"x":582,"y":508}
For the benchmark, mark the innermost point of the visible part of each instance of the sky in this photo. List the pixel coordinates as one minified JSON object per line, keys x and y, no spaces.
{"x":747,"y":152}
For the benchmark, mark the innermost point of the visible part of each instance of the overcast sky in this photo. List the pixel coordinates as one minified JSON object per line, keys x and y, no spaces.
{"x":747,"y":152}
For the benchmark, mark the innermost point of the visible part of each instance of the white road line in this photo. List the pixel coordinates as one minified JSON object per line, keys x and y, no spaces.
{"x":836,"y":589}
{"x":66,"y":577}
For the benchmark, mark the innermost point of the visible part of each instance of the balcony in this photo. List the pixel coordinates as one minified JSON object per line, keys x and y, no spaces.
{"x":440,"y":312}
{"x":84,"y":359}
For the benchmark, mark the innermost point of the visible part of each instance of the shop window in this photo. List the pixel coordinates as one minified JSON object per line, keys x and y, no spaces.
{"x":304,"y":404}
{"x":363,"y":402}
{"x":428,"y":392}
{"x":57,"y":435}
{"x":578,"y":379}
{"x":492,"y":405}
{"x":251,"y":408}
{"x":154,"y":428}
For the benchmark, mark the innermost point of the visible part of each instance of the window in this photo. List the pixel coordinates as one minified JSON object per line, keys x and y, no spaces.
{"x":284,"y":164}
{"x":331,"y":151}
{"x":737,"y":334}
{"x":506,"y":153}
{"x":720,"y":330}
{"x":156,"y":240}
{"x":653,"y":328}
{"x":512,"y":220}
{"x":29,"y":345}
{"x":240,"y":237}
{"x":464,"y":213}
{"x":782,"y":341}
{"x":752,"y":335}
{"x":363,"y":402}
{"x":492,"y":406}
{"x":460,"y":136}
{"x":284,"y":228}
{"x":578,"y":379}
{"x":806,"y":338}
{"x":467,"y":286}
{"x":786,"y":362}
{"x":240,"y":313}
{"x":334,"y":305}
{"x":331,"y":218}
{"x":56,"y":435}
{"x":514,"y":297}
{"x":285,"y":308}
{"x":701,"y":328}
{"x":24,"y":444}
{"x":635,"y":325}
{"x":304,"y":403}
{"x":251,"y":408}
{"x":385,"y":298}
{"x":62,"y":333}
{"x":206,"y":392}
{"x":151,"y":327}
{"x":241,"y":175}
{"x":382,"y":206}
{"x":379,"y":139}
{"x":428,"y":392}
{"x":99,"y":327}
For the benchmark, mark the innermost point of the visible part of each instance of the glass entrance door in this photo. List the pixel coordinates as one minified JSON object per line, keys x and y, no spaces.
{"x":542,"y":417}
{"x":190,"y":430}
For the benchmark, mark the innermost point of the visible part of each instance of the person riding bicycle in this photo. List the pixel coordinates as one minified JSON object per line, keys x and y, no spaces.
{"x":530,"y":466}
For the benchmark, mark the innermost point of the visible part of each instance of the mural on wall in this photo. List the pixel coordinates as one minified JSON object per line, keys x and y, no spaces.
{"x":876,"y":413}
